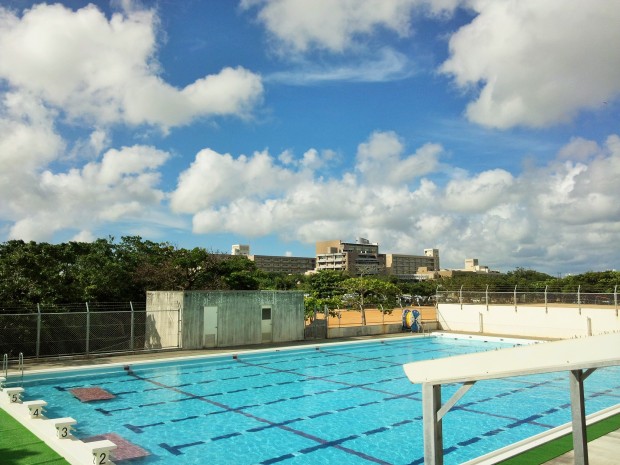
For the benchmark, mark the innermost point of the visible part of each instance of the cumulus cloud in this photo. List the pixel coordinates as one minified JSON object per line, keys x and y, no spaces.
{"x":121,"y":187}
{"x":537,"y":63}
{"x":336,"y":26}
{"x":105,"y":70}
{"x":380,"y":159}
{"x":330,"y":25}
{"x":490,"y":214}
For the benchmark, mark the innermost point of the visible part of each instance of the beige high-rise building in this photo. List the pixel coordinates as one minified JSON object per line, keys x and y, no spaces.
{"x":240,"y":249}
{"x":360,"y":257}
{"x":409,"y":266}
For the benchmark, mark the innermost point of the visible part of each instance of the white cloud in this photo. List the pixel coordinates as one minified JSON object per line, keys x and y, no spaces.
{"x":105,"y":70}
{"x":214,"y":178}
{"x":480,"y":193}
{"x":383,"y":65}
{"x":538,"y":63}
{"x":301,"y":25}
{"x":379,"y":159}
{"x":505,"y":218}
{"x":122,"y":187}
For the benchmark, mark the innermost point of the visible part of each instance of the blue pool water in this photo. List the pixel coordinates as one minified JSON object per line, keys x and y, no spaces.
{"x":338,"y":404}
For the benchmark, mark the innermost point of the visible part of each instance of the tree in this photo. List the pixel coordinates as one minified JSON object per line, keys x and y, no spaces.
{"x":364,"y":291}
{"x":325,"y":284}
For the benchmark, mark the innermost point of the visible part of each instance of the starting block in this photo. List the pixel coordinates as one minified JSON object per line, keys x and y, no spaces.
{"x":101,"y":451}
{"x":15,"y":394}
{"x":35,"y":407}
{"x":64,"y":426}
{"x":2,"y":380}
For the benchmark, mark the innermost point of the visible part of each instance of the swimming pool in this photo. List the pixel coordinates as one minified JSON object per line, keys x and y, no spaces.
{"x":342,"y":403}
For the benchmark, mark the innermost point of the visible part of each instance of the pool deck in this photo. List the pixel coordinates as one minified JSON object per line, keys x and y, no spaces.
{"x":602,"y":451}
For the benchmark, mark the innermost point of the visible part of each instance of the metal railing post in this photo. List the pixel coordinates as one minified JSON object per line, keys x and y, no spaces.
{"x":38,"y":344}
{"x":616,"y":298}
{"x":579,"y":298}
{"x":486,"y":297}
{"x":515,"y":297}
{"x":20,"y":365}
{"x":131,"y":334}
{"x":546,"y":306}
{"x":87,"y":329}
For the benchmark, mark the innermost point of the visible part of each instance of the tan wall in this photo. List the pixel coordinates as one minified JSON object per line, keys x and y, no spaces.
{"x":372,"y":330}
{"x":528,"y":321}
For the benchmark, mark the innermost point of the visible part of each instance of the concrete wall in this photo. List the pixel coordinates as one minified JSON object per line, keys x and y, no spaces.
{"x":162,"y":319}
{"x":530,"y":321}
{"x":372,"y":330}
{"x":239,"y":316}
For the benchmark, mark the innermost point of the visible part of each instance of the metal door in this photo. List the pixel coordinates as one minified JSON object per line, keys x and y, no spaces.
{"x":209,"y":327}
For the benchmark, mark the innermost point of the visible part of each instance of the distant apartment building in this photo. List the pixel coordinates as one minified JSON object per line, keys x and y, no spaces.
{"x":360,"y":258}
{"x":240,"y":249}
{"x":276,"y":263}
{"x":283,"y":264}
{"x":412,"y":266}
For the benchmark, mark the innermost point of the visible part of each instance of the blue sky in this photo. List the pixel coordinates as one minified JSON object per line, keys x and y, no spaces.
{"x":484,"y":129}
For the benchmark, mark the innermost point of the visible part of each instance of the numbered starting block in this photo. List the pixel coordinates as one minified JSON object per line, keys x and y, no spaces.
{"x":64,"y":426}
{"x":2,"y":380}
{"x":101,"y":451}
{"x":15,"y":394}
{"x":36,"y":408}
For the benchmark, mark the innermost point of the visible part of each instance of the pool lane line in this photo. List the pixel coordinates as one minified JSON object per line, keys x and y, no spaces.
{"x":284,"y":427}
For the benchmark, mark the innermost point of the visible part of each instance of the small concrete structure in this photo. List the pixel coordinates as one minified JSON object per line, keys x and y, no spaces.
{"x":209,"y":319}
{"x":35,"y":407}
{"x":101,"y":451}
{"x":15,"y":394}
{"x":63,"y":426}
{"x":580,"y":357}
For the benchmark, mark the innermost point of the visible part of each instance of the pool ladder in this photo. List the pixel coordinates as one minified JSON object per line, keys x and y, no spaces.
{"x":20,"y":365}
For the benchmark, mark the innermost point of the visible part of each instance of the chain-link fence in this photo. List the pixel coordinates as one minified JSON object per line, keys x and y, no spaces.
{"x":525,"y":297}
{"x":73,"y":329}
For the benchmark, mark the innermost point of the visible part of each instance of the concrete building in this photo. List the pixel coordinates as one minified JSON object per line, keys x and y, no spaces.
{"x":360,"y":258}
{"x":240,"y":249}
{"x":412,"y":266}
{"x":223,"y":318}
{"x":471,"y":264}
{"x":280,"y":264}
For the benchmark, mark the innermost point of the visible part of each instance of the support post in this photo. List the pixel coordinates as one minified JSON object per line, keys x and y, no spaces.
{"x":132,"y":330}
{"x":87,"y":340}
{"x":433,"y":434}
{"x":578,"y":413}
{"x":38,"y":344}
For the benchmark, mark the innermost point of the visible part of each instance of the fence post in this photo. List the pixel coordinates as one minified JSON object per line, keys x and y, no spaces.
{"x":131,"y":335}
{"x":87,"y":329}
{"x":461,"y":296}
{"x":616,"y":298}
{"x":515,"y":297}
{"x":486,"y":297}
{"x":546,"y":306}
{"x":38,"y":347}
{"x":579,"y":298}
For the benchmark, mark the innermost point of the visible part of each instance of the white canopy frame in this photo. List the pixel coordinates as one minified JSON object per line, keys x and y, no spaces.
{"x":580,"y":357}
